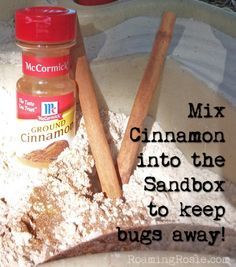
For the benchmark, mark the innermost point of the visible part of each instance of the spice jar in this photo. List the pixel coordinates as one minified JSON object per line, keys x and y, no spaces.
{"x":45,"y":93}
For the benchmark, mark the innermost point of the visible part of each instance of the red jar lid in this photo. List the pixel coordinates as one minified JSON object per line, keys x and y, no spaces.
{"x":45,"y":24}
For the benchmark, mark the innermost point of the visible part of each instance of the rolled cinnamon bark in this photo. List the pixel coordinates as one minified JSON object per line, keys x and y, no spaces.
{"x":128,"y":152}
{"x":96,"y":135}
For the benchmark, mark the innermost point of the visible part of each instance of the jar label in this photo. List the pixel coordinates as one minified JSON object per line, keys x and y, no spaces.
{"x":45,"y":66}
{"x":45,"y":126}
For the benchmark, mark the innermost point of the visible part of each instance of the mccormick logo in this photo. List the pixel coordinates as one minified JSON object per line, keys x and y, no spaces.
{"x":43,"y":108}
{"x":42,"y":68}
{"x":49,"y":108}
{"x":45,"y":66}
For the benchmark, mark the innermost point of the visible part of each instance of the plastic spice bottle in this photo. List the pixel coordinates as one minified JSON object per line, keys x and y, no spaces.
{"x":45,"y":93}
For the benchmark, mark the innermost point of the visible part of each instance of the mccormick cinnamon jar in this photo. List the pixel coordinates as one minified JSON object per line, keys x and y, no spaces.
{"x":45,"y":93}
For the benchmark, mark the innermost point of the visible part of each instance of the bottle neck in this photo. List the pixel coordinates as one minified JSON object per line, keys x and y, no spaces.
{"x":46,"y":62}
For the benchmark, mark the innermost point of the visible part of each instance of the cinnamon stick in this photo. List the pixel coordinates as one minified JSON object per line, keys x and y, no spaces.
{"x":128,"y":152}
{"x":97,"y":139}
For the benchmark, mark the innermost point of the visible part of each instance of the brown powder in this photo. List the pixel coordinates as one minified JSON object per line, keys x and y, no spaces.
{"x":44,"y":214}
{"x":42,"y":157}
